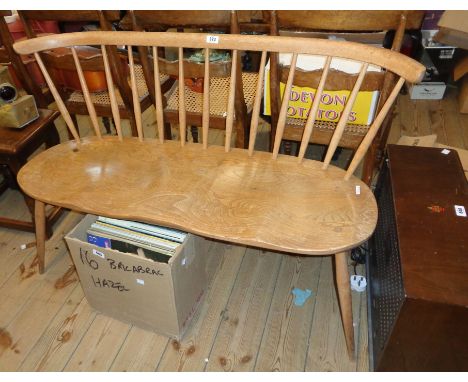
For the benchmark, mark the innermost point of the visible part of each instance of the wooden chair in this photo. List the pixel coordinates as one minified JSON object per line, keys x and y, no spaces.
{"x":92,"y":62}
{"x":333,"y":22}
{"x":203,"y":20}
{"x":17,"y":145}
{"x":272,"y":201}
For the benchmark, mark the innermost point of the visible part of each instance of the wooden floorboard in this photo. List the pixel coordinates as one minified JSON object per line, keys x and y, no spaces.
{"x":327,"y":346}
{"x":287,"y":330}
{"x":243,"y":320}
{"x":55,"y":347}
{"x":247,"y":320}
{"x":191,"y":353}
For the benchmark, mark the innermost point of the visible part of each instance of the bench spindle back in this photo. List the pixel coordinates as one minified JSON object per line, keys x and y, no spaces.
{"x":387,"y":60}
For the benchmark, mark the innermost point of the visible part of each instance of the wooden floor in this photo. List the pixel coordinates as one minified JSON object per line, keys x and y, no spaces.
{"x":247,"y":322}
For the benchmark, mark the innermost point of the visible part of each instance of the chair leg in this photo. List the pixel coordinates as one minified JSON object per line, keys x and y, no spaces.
{"x":53,"y":138}
{"x":40,"y":221}
{"x":241,"y":134}
{"x":167,"y":131}
{"x":369,"y":164}
{"x":75,"y":122}
{"x":344,"y":297}
{"x":133,"y":126}
{"x":106,"y":121}
{"x":194,"y":131}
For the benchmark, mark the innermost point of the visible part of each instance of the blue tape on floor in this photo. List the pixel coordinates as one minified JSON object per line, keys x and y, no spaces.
{"x":300,"y":296}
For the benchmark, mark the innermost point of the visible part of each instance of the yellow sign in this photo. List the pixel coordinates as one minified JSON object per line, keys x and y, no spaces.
{"x":331,"y":105}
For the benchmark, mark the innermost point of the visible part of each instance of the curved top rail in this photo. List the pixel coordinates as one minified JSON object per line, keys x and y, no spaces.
{"x":398,"y":63}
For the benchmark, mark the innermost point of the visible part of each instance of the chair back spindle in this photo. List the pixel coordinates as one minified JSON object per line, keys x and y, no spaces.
{"x":313,"y":110}
{"x":158,"y":100}
{"x":86,"y":95}
{"x":206,"y":99}
{"x":231,"y":101}
{"x":366,"y":142}
{"x":182,"y":111}
{"x":257,"y":104}
{"x":135,"y":96}
{"x":112,"y":96}
{"x":58,"y":99}
{"x":284,"y":107}
{"x":345,"y":116}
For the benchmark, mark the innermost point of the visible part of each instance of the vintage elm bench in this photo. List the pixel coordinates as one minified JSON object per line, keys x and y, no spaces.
{"x":271,"y":201}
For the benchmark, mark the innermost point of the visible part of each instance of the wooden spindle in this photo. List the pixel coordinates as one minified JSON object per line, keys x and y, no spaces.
{"x":284,"y":107}
{"x":400,"y":32}
{"x":61,"y":106}
{"x":257,"y":104}
{"x":344,"y":116}
{"x":313,"y":110}
{"x":159,"y":105}
{"x":231,"y":101}
{"x":206,"y":99}
{"x":136,"y":98}
{"x":373,"y":129}
{"x":86,"y":95}
{"x":112,"y":96}
{"x":182,"y":113}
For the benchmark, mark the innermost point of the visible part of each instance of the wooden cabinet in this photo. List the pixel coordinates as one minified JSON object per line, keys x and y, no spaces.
{"x":418,"y":264}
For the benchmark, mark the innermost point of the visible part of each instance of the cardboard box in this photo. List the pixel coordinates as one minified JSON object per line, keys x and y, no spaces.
{"x":461,"y":73}
{"x":463,"y":96}
{"x":155,"y":296}
{"x":453,"y":28}
{"x":427,"y":90}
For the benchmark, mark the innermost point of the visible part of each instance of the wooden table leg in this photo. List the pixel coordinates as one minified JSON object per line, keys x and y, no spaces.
{"x":40,"y":220}
{"x":344,"y":296}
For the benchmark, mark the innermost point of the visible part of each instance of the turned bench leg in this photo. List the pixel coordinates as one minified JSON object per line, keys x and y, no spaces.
{"x":40,"y":221}
{"x":344,"y":297}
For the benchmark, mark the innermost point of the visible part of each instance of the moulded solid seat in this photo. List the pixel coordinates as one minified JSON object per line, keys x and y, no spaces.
{"x":258,"y":201}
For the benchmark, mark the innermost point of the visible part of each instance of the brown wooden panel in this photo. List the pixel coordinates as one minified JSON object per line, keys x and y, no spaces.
{"x":149,"y":19}
{"x":427,"y":337}
{"x":433,"y":245}
{"x":347,"y":20}
{"x":69,"y":15}
{"x":90,"y":58}
{"x":336,"y":80}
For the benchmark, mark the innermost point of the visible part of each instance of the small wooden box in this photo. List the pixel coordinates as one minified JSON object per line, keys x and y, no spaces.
{"x":18,"y":113}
